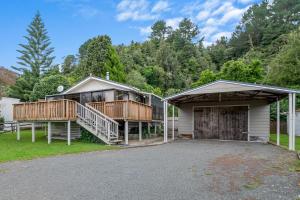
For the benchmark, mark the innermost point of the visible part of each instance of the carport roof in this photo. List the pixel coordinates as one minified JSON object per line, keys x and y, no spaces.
{"x":224,"y":86}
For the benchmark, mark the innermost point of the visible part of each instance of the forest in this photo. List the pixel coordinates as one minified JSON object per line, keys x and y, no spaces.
{"x":264,"y":48}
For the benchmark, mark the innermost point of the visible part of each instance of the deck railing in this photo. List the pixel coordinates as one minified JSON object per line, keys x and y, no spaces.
{"x":45,"y":110}
{"x":124,"y":110}
{"x":66,"y":110}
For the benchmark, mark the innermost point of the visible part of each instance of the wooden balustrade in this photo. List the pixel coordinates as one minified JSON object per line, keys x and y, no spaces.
{"x":124,"y":110}
{"x":45,"y":110}
{"x":66,"y":110}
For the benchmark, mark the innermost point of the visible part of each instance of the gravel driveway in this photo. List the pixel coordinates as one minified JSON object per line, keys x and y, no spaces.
{"x":178,"y":170}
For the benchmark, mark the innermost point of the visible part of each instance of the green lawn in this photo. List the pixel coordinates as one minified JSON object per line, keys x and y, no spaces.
{"x":11,"y":149}
{"x":284,"y":140}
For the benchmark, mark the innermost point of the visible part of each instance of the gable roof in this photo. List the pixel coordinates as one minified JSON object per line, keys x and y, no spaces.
{"x":243,"y":86}
{"x":113,"y":83}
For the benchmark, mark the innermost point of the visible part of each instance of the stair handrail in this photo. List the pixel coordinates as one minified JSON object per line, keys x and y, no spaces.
{"x":112,"y":125}
{"x":94,"y":118}
{"x":102,"y":114}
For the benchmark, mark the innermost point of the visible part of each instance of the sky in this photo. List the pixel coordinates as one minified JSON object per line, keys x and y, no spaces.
{"x":71,"y":22}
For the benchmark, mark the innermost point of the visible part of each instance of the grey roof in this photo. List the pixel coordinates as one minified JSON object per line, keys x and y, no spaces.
{"x":254,"y":85}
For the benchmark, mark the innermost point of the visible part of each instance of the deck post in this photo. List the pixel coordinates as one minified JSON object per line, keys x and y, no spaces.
{"x":18,"y":131}
{"x":33,"y":132}
{"x":69,"y":132}
{"x":278,"y":123}
{"x":290,"y":121}
{"x":49,"y":132}
{"x":173,"y":123}
{"x":140,"y":131}
{"x":126,"y":132}
{"x":165,"y":121}
{"x":155,"y":128}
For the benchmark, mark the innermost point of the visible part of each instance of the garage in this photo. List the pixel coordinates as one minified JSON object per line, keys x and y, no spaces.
{"x":224,"y":123}
{"x":229,"y":110}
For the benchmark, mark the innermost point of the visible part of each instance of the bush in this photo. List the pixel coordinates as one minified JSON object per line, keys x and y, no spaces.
{"x":86,"y":136}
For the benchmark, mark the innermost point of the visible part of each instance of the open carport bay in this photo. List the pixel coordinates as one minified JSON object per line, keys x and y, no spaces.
{"x":178,"y":170}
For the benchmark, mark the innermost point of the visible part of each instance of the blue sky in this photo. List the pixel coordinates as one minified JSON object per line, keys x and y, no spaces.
{"x":71,"y":22}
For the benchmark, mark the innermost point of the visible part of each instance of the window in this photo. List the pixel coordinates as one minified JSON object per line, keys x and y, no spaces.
{"x":85,"y":98}
{"x":98,"y":96}
{"x":121,"y":95}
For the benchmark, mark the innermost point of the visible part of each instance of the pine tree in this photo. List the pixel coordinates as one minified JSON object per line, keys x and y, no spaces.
{"x":36,"y":55}
{"x":35,"y":60}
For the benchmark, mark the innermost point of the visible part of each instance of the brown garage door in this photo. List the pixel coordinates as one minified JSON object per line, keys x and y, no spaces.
{"x":226,"y":123}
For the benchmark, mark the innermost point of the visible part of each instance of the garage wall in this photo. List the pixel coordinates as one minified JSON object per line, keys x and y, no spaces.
{"x":259,"y":118}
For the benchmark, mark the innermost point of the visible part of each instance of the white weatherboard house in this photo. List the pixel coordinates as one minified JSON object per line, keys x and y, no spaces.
{"x":107,"y":109}
{"x":6,"y":107}
{"x":229,"y":110}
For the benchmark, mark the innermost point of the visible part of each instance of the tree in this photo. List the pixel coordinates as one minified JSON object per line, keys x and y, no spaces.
{"x":218,"y":52}
{"x":48,"y":85}
{"x":36,"y":56}
{"x":35,"y":60}
{"x":240,"y":71}
{"x":206,"y":76}
{"x":69,"y":64}
{"x":23,"y":87}
{"x":284,"y":69}
{"x":100,"y":57}
{"x":159,"y":31}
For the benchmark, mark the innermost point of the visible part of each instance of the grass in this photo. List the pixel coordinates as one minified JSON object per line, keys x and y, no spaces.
{"x":11,"y":149}
{"x":284,"y":140}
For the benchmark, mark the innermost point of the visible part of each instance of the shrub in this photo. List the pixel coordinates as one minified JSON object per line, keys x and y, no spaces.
{"x":86,"y":136}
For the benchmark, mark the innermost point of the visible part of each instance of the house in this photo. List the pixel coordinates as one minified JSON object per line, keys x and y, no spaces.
{"x":6,"y":108}
{"x":105,"y":108}
{"x":229,"y":110}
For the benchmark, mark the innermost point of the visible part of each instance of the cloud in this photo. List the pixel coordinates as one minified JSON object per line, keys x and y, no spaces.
{"x":139,"y":10}
{"x":208,"y":30}
{"x":82,"y":8}
{"x":216,"y":18}
{"x":145,"y":30}
{"x":245,"y":1}
{"x":161,"y":6}
{"x":220,"y":34}
{"x":234,"y":14}
{"x":134,"y":10}
{"x":173,"y":22}
{"x":86,"y":11}
{"x":202,"y":15}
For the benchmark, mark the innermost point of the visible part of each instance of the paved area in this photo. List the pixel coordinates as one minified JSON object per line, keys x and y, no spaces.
{"x":179,"y":170}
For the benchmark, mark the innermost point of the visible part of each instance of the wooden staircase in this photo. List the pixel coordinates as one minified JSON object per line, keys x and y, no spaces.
{"x":100,"y":125}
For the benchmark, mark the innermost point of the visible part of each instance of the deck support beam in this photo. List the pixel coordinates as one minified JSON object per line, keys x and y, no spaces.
{"x":69,"y":132}
{"x":33,"y":132}
{"x":18,"y":131}
{"x":140,"y":131}
{"x":165,"y":121}
{"x":173,"y":123}
{"x":126,"y":132}
{"x":294,"y":122}
{"x":278,"y":123}
{"x":49,"y":132}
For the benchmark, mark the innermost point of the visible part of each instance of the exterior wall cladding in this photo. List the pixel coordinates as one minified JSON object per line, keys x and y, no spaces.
{"x":258,"y":123}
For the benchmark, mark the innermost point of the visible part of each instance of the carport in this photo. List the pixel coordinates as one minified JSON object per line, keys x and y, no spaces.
{"x":229,"y":110}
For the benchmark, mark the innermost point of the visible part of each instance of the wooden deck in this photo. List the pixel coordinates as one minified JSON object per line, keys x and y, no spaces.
{"x":55,"y":110}
{"x":124,"y":110}
{"x":63,"y":110}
